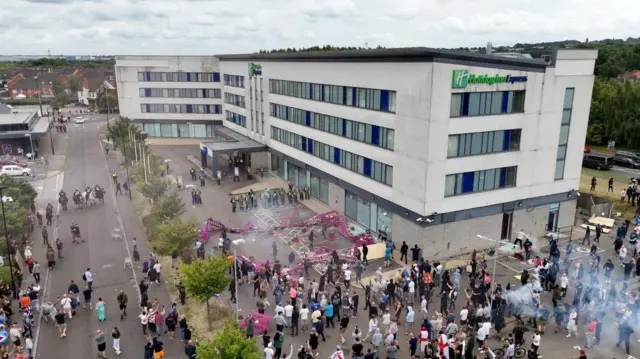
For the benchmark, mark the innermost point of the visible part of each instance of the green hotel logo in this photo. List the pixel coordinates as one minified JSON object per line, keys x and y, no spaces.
{"x":462,"y":78}
{"x":255,"y":70}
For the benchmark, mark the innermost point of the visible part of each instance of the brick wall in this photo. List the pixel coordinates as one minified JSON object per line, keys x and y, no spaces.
{"x":336,"y":198}
{"x":450,"y":239}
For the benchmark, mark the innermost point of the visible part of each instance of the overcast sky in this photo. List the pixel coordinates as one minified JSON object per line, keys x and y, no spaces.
{"x":193,"y":27}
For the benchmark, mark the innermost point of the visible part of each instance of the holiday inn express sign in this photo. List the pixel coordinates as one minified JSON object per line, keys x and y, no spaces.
{"x":462,"y":78}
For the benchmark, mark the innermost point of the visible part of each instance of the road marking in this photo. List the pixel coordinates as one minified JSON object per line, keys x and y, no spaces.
{"x":107,"y":266}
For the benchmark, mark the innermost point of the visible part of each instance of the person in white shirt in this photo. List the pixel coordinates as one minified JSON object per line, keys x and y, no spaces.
{"x":347,"y":278}
{"x":144,"y":320}
{"x":158,"y":268}
{"x":511,"y":349}
{"x":304,"y":317}
{"x":464,"y":313}
{"x":268,"y":351}
{"x":288,"y":313}
{"x":412,"y":292}
{"x":279,"y":309}
{"x":622,"y":254}
{"x":371,"y":330}
{"x":535,"y":345}
{"x":572,"y":325}
{"x":65,"y":302}
{"x":423,"y":308}
{"x":386,"y":320}
{"x":88,"y":277}
{"x":564,"y":284}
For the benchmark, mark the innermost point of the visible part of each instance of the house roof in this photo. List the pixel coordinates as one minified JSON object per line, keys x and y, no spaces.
{"x":47,"y":78}
{"x":25,"y":84}
{"x":93,"y":83}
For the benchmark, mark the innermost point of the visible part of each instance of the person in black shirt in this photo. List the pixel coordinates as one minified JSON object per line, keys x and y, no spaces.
{"x":86,"y":293}
{"x":61,"y":322}
{"x":404,"y":249}
{"x":266,"y":339}
{"x":413,"y":345}
{"x":357,"y":348}
{"x":415,"y":253}
{"x":370,"y":354}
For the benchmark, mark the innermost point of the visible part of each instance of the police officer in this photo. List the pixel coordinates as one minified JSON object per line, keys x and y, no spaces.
{"x":233,"y":204}
{"x":252,"y":199}
{"x":192,"y":172}
{"x":201,"y":179}
{"x":114,"y":176}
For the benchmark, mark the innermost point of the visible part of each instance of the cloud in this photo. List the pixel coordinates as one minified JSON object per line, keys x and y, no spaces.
{"x":202,"y":27}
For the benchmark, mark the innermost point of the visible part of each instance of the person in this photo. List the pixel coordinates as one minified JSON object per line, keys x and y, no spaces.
{"x":357,"y":349}
{"x":29,"y":345}
{"x":268,"y":351}
{"x":404,"y":250}
{"x":190,"y":350}
{"x":100,"y":310}
{"x":86,"y":293}
{"x":61,"y":323}
{"x":158,"y":349}
{"x":115,"y":335}
{"x":88,"y":277}
{"x":122,"y":302}
{"x":101,"y":341}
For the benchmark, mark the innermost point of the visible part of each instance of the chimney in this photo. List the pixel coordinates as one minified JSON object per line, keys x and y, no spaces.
{"x":489,"y":48}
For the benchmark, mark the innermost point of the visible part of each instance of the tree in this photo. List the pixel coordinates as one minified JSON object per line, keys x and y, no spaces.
{"x":167,"y":208}
{"x":74,"y":85}
{"x":175,"y":235}
{"x":154,"y":189}
{"x":229,"y":343}
{"x":61,"y":96}
{"x":19,"y":190}
{"x":107,"y":101}
{"x":16,"y":216}
{"x":202,"y":279}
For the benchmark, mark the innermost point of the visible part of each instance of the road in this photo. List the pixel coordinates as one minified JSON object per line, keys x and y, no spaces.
{"x":86,"y":165}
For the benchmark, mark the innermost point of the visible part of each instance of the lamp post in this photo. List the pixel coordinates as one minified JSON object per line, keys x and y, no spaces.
{"x":6,"y":239}
{"x":236,"y":243}
{"x":31,"y":142}
{"x":126,"y":167}
{"x":495,"y":260}
{"x":53,"y":151}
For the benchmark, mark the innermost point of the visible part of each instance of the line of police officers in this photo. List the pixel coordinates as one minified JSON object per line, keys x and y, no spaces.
{"x":270,"y":197}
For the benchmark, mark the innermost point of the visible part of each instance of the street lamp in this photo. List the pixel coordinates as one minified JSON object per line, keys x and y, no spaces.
{"x":495,"y":260}
{"x":6,"y":239}
{"x":236,"y":243}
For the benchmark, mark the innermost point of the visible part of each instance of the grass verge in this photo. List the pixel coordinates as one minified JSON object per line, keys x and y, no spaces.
{"x":194,"y":311}
{"x":626,"y":210}
{"x":605,"y":174}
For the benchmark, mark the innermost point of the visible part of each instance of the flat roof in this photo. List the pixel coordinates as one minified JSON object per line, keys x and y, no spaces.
{"x":235,"y":142}
{"x":39,"y":128}
{"x":17,"y":116}
{"x":408,"y":54}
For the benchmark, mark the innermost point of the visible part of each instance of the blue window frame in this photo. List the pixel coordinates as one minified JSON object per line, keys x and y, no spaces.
{"x":479,"y":143}
{"x":486,"y":103}
{"x":480,"y":181}
{"x":216,"y":77}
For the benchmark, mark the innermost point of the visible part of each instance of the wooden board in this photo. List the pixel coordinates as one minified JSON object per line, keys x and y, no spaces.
{"x":603,"y":221}
{"x":376,"y":251}
{"x":593,"y":228}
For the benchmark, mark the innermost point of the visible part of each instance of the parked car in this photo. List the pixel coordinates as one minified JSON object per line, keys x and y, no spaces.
{"x":12,"y":170}
{"x":587,"y":149}
{"x":12,"y":162}
{"x":599,"y":161}
{"x":628,"y":154}
{"x":624,"y":161}
{"x":79,"y":120}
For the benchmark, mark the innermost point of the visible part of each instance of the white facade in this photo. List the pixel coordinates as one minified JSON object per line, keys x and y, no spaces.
{"x":422,"y":123}
{"x":172,"y":87}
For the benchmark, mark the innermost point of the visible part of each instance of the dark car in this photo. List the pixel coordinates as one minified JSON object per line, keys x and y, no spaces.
{"x":599,"y":161}
{"x":12,"y":163}
{"x":625,"y":161}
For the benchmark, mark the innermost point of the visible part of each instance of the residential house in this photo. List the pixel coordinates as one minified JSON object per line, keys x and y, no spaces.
{"x":47,"y":80}
{"x":92,"y":86}
{"x":631,"y":75}
{"x":26,"y":87}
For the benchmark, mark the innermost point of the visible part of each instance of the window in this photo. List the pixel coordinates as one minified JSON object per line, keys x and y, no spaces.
{"x":367,"y":133}
{"x":233,"y":99}
{"x":486,"y":103}
{"x":371,"y":99}
{"x":479,"y":181}
{"x":565,"y":124}
{"x":365,"y":166}
{"x":234,"y":80}
{"x":470,"y":144}
{"x":179,"y":76}
{"x":180,"y":108}
{"x":180,"y":93}
{"x":236,"y":118}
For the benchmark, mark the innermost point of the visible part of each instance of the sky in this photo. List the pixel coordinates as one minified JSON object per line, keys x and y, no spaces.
{"x":206,"y":27}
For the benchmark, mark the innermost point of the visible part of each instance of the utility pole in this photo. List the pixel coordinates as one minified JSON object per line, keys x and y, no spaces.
{"x":126,"y":167}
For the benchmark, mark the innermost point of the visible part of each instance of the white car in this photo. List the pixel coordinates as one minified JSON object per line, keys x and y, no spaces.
{"x":12,"y":170}
{"x":79,"y":120}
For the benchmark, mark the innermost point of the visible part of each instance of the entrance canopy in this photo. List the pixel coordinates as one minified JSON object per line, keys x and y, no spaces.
{"x":231,"y":142}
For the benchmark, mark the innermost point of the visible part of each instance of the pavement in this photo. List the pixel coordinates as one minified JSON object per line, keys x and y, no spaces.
{"x":84,"y":164}
{"x":216,"y":205}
